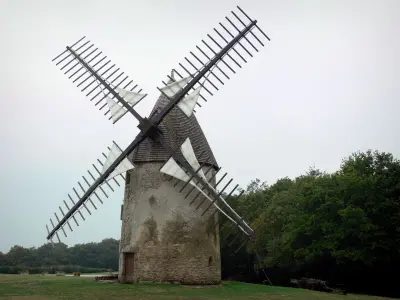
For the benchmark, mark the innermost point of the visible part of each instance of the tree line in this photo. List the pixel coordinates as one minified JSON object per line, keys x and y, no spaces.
{"x":85,"y":258}
{"x":343,"y":227}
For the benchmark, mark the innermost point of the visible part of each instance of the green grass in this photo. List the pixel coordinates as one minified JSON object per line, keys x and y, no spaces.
{"x":37,"y":287}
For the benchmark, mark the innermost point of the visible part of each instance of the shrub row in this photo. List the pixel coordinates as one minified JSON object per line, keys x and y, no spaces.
{"x":50,"y":270}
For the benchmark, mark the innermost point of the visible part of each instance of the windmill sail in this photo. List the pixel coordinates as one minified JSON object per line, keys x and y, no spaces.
{"x":188,"y":153}
{"x":124,"y":166}
{"x":98,"y":193}
{"x":171,"y":89}
{"x":188,"y":103}
{"x":171,"y":168}
{"x":117,"y":110}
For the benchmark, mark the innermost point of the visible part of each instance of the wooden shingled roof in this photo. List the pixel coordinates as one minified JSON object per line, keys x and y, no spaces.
{"x":175,"y":127}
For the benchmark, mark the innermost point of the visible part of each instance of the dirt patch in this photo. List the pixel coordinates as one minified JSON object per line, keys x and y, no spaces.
{"x":107,"y":281}
{"x":208,"y":286}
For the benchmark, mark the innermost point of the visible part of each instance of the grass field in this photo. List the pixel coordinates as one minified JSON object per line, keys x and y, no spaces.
{"x":37,"y":287}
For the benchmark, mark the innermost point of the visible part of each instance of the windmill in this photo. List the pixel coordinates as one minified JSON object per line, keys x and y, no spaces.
{"x":172,"y":210}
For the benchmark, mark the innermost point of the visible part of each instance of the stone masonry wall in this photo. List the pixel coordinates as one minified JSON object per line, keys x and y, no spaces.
{"x":171,"y":240}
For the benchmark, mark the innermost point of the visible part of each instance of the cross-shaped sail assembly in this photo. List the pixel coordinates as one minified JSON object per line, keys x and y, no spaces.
{"x":106,"y":86}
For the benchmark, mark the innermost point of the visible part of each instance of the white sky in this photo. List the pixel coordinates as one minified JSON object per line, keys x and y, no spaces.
{"x":325,"y":86}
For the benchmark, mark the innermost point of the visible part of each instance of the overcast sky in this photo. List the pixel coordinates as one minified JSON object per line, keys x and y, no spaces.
{"x":325,"y":86}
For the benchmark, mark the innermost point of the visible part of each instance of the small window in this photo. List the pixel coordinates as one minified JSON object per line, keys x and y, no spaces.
{"x":210,"y":261}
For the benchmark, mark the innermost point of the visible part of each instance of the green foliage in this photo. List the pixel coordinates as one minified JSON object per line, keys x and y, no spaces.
{"x":84,"y":258}
{"x":348,"y":220}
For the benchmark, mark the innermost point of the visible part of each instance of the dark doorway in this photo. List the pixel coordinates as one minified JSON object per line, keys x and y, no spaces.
{"x":128,"y":267}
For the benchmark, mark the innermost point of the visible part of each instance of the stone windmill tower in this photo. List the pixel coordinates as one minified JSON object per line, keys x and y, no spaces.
{"x":172,"y":210}
{"x":164,"y":236}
